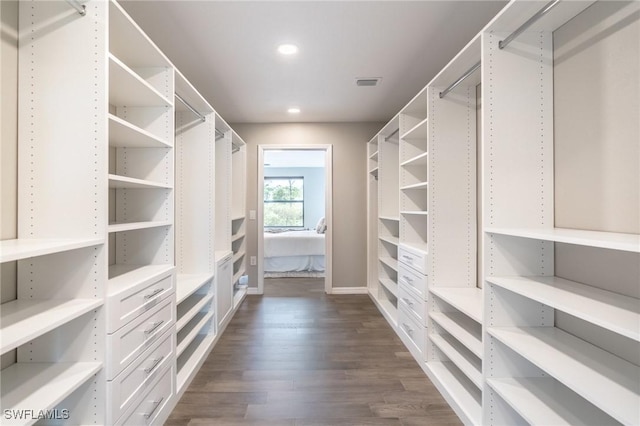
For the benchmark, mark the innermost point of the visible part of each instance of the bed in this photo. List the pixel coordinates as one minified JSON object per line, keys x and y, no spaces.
{"x":294,"y":253}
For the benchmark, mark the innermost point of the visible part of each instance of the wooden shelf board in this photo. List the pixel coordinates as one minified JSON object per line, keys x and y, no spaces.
{"x":414,"y":213}
{"x":391,"y":286}
{"x":460,"y":326}
{"x":238,"y":296}
{"x":25,"y":248}
{"x":123,"y":277}
{"x":124,"y":182}
{"x":238,"y":217}
{"x":126,"y":88}
{"x":419,"y":160}
{"x":612,"y":311}
{"x":462,"y":395}
{"x":192,"y":358}
{"x":419,"y":131}
{"x":420,"y":185}
{"x":391,"y":240}
{"x":609,"y":382}
{"x":472,"y":368}
{"x":187,"y":284}
{"x":374,"y":156}
{"x":122,"y":227}
{"x":390,"y":262}
{"x":190,"y":308}
{"x":237,"y":237}
{"x":237,"y":256}
{"x":123,"y":134}
{"x":191,"y":330}
{"x":544,"y":401}
{"x":467,"y":300}
{"x":390,"y":218}
{"x":25,"y":320}
{"x":41,"y":386}
{"x":606,"y":240}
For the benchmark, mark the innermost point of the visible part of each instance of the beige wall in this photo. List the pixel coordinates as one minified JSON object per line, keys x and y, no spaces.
{"x":349,"y":187}
{"x":8,"y":147}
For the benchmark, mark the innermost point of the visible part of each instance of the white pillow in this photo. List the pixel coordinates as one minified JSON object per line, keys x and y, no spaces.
{"x":321,"y":227}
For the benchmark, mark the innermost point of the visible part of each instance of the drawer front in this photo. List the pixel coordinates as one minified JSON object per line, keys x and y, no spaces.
{"x":415,"y":259}
{"x":408,"y":301}
{"x":412,"y":280}
{"x":412,"y":334}
{"x":153,"y":406}
{"x":138,"y":376}
{"x":126,"y":306}
{"x":130,"y":341}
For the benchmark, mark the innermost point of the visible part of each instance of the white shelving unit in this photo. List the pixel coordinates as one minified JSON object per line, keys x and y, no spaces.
{"x":195,"y":231}
{"x":238,"y":216}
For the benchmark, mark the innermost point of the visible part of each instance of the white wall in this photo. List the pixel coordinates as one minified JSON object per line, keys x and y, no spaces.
{"x":313,"y":189}
{"x":349,"y":187}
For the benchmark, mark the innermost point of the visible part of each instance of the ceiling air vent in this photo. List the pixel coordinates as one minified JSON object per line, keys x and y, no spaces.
{"x":368,"y":82}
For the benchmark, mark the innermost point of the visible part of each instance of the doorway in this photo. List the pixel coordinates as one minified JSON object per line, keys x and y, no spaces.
{"x":294,"y":209}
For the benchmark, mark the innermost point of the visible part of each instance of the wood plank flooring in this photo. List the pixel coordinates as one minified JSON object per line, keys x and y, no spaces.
{"x":296,"y":356}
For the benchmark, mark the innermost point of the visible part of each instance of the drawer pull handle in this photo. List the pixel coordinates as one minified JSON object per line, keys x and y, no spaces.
{"x":408,"y":328}
{"x":407,"y":279}
{"x":407,"y":301}
{"x":409,"y":259}
{"x":153,"y":293}
{"x":154,"y":327}
{"x":153,"y":365}
{"x":156,"y":404}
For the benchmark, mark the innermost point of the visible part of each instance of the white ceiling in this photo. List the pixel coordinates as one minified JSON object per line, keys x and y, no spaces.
{"x":227,"y":49}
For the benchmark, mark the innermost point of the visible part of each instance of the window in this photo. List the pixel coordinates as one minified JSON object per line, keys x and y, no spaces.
{"x":284,"y":202}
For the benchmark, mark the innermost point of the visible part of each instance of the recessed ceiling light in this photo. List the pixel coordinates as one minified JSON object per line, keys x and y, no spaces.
{"x":288,"y":49}
{"x":293,"y":110}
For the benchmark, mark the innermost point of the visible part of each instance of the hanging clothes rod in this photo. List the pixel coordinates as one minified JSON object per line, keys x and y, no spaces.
{"x":392,"y":133}
{"x":80,"y":8}
{"x":192,"y":109}
{"x":219,"y":134}
{"x":460,"y":80}
{"x":502,"y":44}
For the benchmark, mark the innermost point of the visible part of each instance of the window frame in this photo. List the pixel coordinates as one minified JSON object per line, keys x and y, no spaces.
{"x":265,"y":202}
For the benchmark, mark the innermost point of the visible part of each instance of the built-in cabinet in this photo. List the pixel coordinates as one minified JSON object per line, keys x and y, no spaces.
{"x":118,"y":227}
{"x":517,"y":284}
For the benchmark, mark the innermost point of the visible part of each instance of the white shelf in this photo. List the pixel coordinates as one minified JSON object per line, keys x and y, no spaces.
{"x":124,"y":182}
{"x":190,"y":308}
{"x":126,"y":88}
{"x":374,"y":156}
{"x":122,"y":227}
{"x":391,"y":240}
{"x":41,"y":386}
{"x":191,"y":359}
{"x":237,"y":276}
{"x":419,"y":131}
{"x":420,"y":185}
{"x":419,"y":160}
{"x":390,"y":218}
{"x":612,"y":311}
{"x":609,"y":382}
{"x":388,"y":309}
{"x":390,"y":262}
{"x":187,"y":284}
{"x":414,"y":213}
{"x":543,"y":401}
{"x":122,"y":277}
{"x":24,"y":248}
{"x":237,"y":237}
{"x":459,"y":392}
{"x":459,"y":326}
{"x":607,"y":240}
{"x":237,"y":256}
{"x":238,"y":296}
{"x":24,"y":320}
{"x":123,"y":134}
{"x":467,"y":300}
{"x":191,"y":330}
{"x":236,"y":218}
{"x":389,"y":285}
{"x":466,"y":363}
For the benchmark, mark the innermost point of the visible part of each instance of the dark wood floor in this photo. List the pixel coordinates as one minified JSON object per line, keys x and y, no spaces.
{"x":296,"y":356}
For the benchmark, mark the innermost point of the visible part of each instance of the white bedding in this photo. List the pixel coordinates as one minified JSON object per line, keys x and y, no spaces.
{"x":293,"y":243}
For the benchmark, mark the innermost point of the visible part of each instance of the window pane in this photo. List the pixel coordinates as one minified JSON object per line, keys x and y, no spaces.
{"x":283,"y":214}
{"x":283,"y":189}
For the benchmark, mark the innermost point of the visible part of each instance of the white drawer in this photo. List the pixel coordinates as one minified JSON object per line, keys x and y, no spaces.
{"x":134,"y":338}
{"x":412,"y":334}
{"x":139,"y":375}
{"x":414,"y":258}
{"x":152,"y":406}
{"x":126,"y":305}
{"x":408,"y":301}
{"x":412,"y":280}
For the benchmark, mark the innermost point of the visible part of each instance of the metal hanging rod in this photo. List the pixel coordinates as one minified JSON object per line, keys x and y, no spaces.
{"x":219,"y":134}
{"x":502,"y":44}
{"x":192,"y":109}
{"x":460,"y":80}
{"x":80,"y":8}
{"x":392,"y":133}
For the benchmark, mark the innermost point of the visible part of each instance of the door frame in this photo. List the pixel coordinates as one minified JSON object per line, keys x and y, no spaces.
{"x":328,"y":208}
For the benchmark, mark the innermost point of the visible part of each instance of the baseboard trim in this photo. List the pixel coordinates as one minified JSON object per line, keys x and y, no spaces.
{"x":349,"y":290}
{"x":252,"y":290}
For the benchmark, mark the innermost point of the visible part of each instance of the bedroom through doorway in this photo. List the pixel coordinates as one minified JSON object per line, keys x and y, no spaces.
{"x":294,"y":215}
